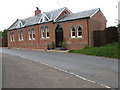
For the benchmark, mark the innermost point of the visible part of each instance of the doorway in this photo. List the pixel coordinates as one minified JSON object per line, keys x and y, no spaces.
{"x":58,"y":35}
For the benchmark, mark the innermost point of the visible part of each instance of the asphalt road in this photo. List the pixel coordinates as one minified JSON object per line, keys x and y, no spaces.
{"x":99,"y":69}
{"x":23,"y":73}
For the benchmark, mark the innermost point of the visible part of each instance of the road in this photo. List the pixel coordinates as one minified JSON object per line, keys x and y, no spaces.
{"x":24,"y":73}
{"x":99,"y":69}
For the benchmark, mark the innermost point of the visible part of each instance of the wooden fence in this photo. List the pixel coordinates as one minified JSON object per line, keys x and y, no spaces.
{"x":103,"y":37}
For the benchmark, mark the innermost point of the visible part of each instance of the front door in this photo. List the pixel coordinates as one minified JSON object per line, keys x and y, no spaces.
{"x":59,"y":36}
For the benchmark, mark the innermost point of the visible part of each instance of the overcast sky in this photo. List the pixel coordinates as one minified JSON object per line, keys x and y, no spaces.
{"x":10,"y":10}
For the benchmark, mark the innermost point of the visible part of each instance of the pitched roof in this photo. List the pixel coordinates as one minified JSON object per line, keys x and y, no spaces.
{"x":80,"y":15}
{"x":35,"y":19}
{"x":52,"y":15}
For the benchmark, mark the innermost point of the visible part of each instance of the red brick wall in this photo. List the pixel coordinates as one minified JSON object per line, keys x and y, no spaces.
{"x":38,"y":43}
{"x":97,"y":22}
{"x":75,"y":43}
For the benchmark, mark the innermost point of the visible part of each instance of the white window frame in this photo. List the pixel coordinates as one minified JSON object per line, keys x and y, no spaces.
{"x":33,"y":34}
{"x":47,"y":31}
{"x":29,"y":37}
{"x":42,"y":32}
{"x":22,"y":36}
{"x":72,"y":32}
{"x":12,"y":37}
{"x":78,"y":32}
{"x":19,"y":39}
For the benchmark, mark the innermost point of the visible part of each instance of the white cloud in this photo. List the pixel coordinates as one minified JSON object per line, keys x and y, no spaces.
{"x":19,"y":9}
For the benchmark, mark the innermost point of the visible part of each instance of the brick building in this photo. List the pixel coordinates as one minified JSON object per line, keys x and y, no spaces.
{"x":76,"y":29}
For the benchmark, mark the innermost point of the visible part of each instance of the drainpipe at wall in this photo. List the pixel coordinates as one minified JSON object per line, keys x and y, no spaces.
{"x":88,"y":30}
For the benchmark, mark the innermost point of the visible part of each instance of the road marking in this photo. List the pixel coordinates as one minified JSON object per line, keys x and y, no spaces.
{"x":74,"y":75}
{"x":71,"y":74}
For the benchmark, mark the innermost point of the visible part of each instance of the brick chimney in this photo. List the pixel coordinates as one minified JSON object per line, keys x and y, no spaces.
{"x":37,"y":11}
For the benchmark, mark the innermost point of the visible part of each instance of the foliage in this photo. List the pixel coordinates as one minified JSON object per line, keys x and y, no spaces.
{"x":3,"y":36}
{"x":0,"y":33}
{"x":63,"y":44}
{"x":52,"y":45}
{"x":109,"y":50}
{"x":48,"y":45}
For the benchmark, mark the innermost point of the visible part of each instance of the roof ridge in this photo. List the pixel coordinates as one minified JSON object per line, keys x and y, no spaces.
{"x":56,"y":9}
{"x":87,"y":10}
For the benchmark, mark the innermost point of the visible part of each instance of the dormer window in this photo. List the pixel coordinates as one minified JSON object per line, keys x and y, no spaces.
{"x":41,"y":20}
{"x":65,"y":13}
{"x":20,"y":24}
{"x":44,"y":18}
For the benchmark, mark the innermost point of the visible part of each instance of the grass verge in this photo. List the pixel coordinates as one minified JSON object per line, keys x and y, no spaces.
{"x":109,"y":50}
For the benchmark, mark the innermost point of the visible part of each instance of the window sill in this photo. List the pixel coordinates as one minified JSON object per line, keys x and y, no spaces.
{"x":47,"y":37}
{"x":79,"y":37}
{"x":73,"y":37}
{"x":43,"y":38}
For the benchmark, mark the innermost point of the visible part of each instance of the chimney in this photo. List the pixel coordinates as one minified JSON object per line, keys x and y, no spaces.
{"x":37,"y":11}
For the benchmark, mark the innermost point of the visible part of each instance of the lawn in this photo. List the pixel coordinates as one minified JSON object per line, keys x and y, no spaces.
{"x":109,"y":50}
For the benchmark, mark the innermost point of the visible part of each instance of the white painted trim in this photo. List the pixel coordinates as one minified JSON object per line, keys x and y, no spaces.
{"x":42,"y":33}
{"x":71,"y":33}
{"x":33,"y":31}
{"x":77,"y":33}
{"x":101,"y":14}
{"x":40,"y":19}
{"x":43,"y":18}
{"x":48,"y":32}
{"x":59,"y":14}
{"x":46,"y":17}
{"x":19,"y":22}
{"x":68,"y":9}
{"x":94,"y":13}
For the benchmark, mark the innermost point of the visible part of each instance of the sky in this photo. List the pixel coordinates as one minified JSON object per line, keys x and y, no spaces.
{"x":10,"y":10}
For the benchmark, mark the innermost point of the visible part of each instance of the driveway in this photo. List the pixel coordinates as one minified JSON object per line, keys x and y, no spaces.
{"x":99,"y":69}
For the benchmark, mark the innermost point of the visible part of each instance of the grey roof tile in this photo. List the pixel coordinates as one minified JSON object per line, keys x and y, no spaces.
{"x":79,"y":15}
{"x":35,"y":19}
{"x":52,"y":16}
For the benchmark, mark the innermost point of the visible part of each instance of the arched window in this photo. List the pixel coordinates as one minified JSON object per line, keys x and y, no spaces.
{"x":79,"y":32}
{"x":31,"y":34}
{"x":42,"y":32}
{"x":47,"y":31}
{"x":12,"y":36}
{"x":20,"y":35}
{"x":72,"y":32}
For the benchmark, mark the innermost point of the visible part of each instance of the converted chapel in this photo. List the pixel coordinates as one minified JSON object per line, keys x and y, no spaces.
{"x":56,"y":26}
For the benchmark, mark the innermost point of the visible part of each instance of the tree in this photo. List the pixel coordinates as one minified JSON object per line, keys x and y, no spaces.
{"x":0,"y":38}
{"x":3,"y":36}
